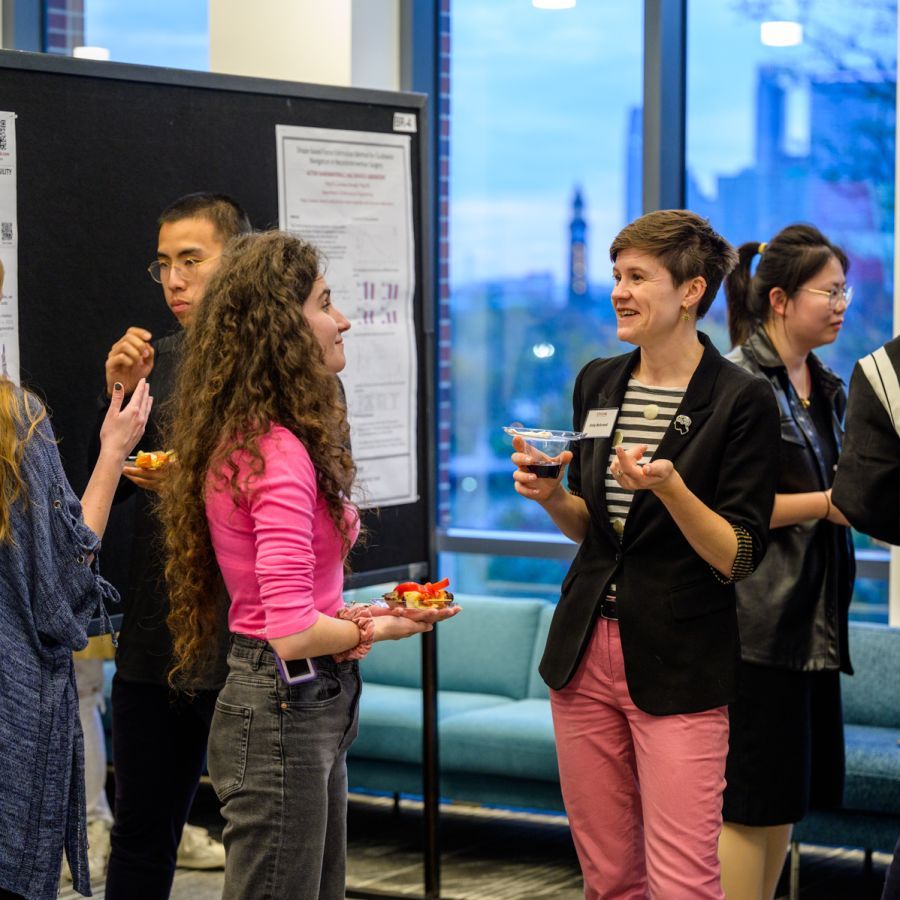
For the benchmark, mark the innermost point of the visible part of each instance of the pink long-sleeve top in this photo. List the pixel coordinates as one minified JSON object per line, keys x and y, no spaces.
{"x":278,"y":550}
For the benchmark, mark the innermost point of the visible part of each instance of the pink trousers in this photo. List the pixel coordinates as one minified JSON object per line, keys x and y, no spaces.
{"x":643,"y":793}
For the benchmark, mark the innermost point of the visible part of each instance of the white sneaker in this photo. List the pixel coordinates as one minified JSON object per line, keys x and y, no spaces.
{"x":198,"y":850}
{"x":98,"y":851}
{"x":98,"y":848}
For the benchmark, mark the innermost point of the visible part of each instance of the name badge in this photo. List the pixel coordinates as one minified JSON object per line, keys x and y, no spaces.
{"x":599,"y":422}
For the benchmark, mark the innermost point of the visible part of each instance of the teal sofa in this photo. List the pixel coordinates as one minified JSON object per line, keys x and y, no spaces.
{"x":870,"y":815}
{"x":496,"y":733}
{"x":494,"y":723}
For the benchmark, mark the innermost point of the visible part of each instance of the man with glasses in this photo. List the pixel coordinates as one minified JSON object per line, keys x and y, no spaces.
{"x":159,"y":737}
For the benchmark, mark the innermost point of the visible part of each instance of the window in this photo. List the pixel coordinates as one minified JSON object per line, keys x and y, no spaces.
{"x":172,"y":33}
{"x":781,"y":134}
{"x":545,"y":168}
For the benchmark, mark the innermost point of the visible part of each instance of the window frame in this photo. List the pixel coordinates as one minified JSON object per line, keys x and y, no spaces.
{"x":664,"y":187}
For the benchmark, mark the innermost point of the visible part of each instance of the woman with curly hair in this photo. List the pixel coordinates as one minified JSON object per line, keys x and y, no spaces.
{"x":261,"y":494}
{"x":50,"y":589}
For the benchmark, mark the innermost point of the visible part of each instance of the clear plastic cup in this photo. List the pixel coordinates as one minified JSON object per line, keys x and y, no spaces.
{"x":544,"y":446}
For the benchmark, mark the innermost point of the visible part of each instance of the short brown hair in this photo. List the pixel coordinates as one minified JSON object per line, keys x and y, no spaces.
{"x":685,"y":244}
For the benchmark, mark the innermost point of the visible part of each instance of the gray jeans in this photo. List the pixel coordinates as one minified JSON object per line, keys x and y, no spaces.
{"x":278,"y":763}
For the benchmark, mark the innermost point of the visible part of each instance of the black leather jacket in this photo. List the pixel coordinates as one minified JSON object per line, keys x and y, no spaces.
{"x":792,"y":611}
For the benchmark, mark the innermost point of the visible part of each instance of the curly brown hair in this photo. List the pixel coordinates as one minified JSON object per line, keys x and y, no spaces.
{"x":250,"y":361}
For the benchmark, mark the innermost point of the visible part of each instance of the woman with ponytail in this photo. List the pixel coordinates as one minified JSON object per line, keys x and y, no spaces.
{"x":49,"y":591}
{"x":786,"y":745}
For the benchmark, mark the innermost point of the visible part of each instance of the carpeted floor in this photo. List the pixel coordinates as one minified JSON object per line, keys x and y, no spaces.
{"x":484,"y":853}
{"x":495,"y":855}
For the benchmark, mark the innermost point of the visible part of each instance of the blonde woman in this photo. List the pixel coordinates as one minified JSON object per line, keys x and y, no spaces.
{"x":49,"y":591}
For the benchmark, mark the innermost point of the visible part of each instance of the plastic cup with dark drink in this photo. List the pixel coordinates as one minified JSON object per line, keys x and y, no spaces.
{"x":543,"y":446}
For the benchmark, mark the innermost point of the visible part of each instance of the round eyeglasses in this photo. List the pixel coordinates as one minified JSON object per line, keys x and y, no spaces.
{"x":835,"y":295}
{"x":186,"y":269}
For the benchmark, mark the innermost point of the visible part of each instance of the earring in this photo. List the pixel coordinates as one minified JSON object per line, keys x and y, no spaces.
{"x":685,"y":315}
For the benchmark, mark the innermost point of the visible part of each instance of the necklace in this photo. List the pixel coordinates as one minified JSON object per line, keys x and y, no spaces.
{"x":805,"y":401}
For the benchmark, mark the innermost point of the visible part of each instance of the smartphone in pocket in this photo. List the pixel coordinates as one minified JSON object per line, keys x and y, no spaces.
{"x":295,"y":671}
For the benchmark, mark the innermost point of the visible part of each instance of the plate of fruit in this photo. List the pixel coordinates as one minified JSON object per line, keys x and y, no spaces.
{"x":430,"y":601}
{"x":412,"y":595}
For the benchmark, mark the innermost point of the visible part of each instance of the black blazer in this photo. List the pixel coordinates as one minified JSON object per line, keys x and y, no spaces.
{"x":678,"y":622}
{"x":867,"y":483}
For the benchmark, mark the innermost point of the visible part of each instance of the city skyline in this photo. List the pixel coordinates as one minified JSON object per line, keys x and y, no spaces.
{"x":565,"y":116}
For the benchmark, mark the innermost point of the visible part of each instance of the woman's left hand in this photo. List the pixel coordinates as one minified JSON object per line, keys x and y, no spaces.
{"x":835,"y":516}
{"x":429,"y":616}
{"x":632,"y":476}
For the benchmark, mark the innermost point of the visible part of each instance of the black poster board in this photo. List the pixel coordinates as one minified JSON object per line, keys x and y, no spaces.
{"x":102,"y":148}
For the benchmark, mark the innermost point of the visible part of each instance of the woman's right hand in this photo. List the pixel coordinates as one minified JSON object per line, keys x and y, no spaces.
{"x":529,"y":485}
{"x":394,"y":628}
{"x":124,"y":425}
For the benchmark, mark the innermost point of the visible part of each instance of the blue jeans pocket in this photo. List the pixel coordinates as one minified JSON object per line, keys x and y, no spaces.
{"x":229,"y":738}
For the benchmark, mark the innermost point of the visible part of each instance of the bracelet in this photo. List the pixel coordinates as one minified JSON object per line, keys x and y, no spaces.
{"x":361,"y":616}
{"x":828,"y":507}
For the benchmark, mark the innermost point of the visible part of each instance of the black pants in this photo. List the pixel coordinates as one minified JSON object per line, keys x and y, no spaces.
{"x":892,"y":883}
{"x":159,"y":746}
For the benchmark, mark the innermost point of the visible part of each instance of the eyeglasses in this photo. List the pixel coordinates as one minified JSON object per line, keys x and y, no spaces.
{"x":186,"y":269}
{"x":835,"y":295}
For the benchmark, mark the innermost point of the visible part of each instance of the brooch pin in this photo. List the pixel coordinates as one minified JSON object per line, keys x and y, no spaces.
{"x":682,"y":424}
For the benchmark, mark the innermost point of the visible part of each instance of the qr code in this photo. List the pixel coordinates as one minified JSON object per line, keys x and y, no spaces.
{"x":3,"y":135}
{"x":6,"y":231}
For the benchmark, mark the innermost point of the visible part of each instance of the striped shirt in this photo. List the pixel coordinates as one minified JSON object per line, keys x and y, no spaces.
{"x":643,"y":418}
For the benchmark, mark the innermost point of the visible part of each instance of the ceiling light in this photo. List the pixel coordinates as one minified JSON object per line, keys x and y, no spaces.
{"x":553,"y":4}
{"x":90,"y":52}
{"x":781,"y":34}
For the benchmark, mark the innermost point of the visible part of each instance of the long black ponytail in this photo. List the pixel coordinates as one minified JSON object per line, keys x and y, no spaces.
{"x":788,"y":261}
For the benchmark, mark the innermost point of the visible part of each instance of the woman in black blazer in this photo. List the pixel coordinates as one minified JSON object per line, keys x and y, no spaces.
{"x":669,"y":496}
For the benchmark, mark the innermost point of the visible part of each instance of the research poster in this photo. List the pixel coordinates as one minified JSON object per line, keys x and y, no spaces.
{"x":350,"y":194}
{"x":9,"y":239}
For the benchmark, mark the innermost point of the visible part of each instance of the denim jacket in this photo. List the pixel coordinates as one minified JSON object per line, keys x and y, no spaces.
{"x":49,"y":591}
{"x":792,"y":612}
